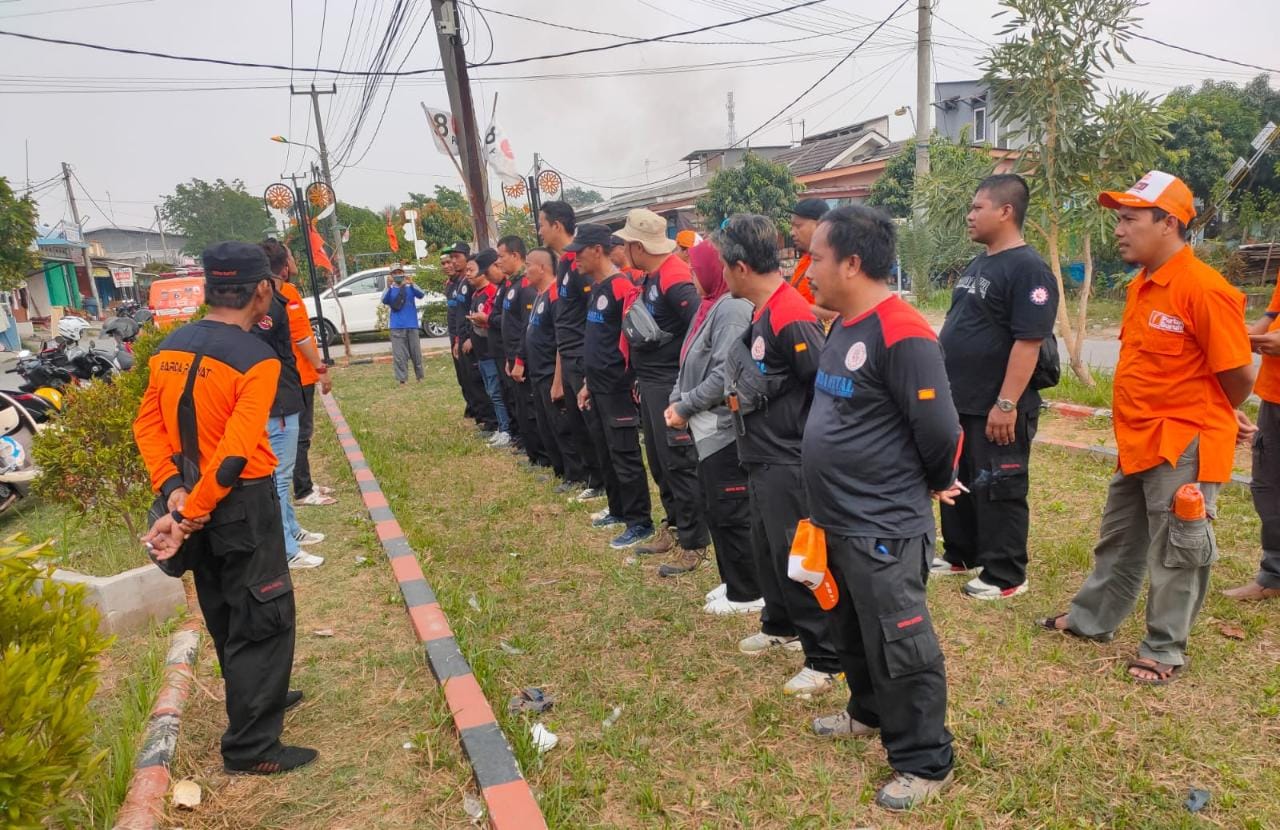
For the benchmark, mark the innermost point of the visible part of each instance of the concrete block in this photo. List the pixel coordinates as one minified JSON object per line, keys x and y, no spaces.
{"x":130,"y":601}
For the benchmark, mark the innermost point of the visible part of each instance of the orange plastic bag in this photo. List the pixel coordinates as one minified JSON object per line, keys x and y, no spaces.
{"x":807,"y":564}
{"x":1188,"y":503}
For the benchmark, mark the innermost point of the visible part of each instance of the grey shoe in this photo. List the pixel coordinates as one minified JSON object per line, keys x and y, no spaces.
{"x":905,"y":790}
{"x":842,"y":725}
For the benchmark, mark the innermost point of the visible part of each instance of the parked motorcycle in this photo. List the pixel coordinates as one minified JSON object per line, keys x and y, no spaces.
{"x":42,"y":387}
{"x":17,"y":468}
{"x":86,"y":363}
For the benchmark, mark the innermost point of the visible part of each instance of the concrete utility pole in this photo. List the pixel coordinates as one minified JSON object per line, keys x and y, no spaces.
{"x":314,"y":95}
{"x":924,"y":106}
{"x":453,"y":58}
{"x":75,"y":214}
{"x":164,"y":243}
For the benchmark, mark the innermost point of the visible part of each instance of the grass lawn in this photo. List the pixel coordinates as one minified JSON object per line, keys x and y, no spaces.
{"x":368,"y":693}
{"x":77,"y":545}
{"x":1048,"y":732}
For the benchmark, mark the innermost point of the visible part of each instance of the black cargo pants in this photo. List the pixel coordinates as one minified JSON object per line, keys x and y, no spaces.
{"x":246,"y":596}
{"x":614,"y":425}
{"x":727,"y":504}
{"x":673,"y":463}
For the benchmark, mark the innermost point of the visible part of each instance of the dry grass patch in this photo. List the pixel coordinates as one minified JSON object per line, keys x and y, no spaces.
{"x":1049,"y":734}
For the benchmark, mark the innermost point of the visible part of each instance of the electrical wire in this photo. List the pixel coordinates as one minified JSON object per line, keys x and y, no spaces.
{"x":110,"y":217}
{"x":824,"y":76}
{"x":76,"y":8}
{"x":399,"y":73}
{"x":1206,"y":54}
{"x":288,"y":149}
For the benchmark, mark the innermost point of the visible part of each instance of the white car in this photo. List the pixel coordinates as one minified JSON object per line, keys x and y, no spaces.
{"x":361,"y":296}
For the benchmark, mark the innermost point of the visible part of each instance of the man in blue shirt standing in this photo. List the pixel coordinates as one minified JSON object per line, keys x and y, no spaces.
{"x":401,"y":298}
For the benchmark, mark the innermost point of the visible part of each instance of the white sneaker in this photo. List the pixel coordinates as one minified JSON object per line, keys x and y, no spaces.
{"x":941,"y":567}
{"x":305,"y":560}
{"x":307,"y":537}
{"x":760,"y":642}
{"x":842,"y":725}
{"x":723,"y":606}
{"x":500,"y":440}
{"x":717,"y":592}
{"x":316,"y":499}
{"x":599,"y":515}
{"x":978,"y":589}
{"x":809,"y":682}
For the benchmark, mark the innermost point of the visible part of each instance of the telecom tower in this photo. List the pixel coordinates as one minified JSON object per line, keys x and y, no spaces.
{"x":733,"y":130}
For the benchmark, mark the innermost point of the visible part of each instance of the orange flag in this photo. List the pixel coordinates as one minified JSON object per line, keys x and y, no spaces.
{"x":391,"y":236}
{"x":318,"y":255}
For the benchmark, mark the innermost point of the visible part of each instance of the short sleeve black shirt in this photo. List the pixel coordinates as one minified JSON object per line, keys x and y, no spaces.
{"x":785,"y":341}
{"x":517,"y":302}
{"x":573,"y":289}
{"x":670,"y":296}
{"x":540,"y":336}
{"x":482,"y":303}
{"x":1020,"y":296}
{"x":606,"y":367}
{"x":497,"y":320}
{"x":882,"y":431}
{"x":459,"y":325}
{"x":274,"y":329}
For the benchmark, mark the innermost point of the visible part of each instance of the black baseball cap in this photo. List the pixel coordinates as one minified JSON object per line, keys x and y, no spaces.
{"x":810,"y":208}
{"x":589,"y":234}
{"x":458,"y":248}
{"x":485,"y":259}
{"x":235,"y":263}
{"x":615,"y":241}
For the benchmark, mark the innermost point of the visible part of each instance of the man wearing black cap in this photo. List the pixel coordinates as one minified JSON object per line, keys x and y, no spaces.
{"x":459,"y":332}
{"x":605,"y":398}
{"x":517,"y":303}
{"x":452,"y":279}
{"x":501,"y":281}
{"x":804,"y":221}
{"x":477,"y":344}
{"x":213,"y":384}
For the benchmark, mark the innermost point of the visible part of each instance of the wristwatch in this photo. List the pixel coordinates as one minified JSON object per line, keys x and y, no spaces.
{"x":1005,"y":405}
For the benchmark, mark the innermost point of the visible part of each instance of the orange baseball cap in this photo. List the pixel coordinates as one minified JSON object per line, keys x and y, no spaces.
{"x":1157,"y":189}
{"x":687,"y":238}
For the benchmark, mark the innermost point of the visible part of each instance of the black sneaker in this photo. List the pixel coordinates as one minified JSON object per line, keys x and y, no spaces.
{"x":281,"y":759}
{"x":292,"y":699}
{"x":569,"y":486}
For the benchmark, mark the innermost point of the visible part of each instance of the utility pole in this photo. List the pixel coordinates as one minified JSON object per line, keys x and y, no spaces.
{"x":535,"y":199}
{"x":453,"y":59}
{"x":160,"y":225}
{"x":300,"y":212}
{"x":314,"y":95}
{"x":75,"y":214}
{"x":924,"y":108}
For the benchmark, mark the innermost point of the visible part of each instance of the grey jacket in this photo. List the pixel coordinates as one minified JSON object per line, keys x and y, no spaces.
{"x":699,"y":391}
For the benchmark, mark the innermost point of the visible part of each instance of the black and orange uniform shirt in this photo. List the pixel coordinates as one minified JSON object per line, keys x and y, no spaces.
{"x":274,"y":329}
{"x":635,"y":275}
{"x":538,"y":354}
{"x":1267,"y":385}
{"x":605,"y":365}
{"x":300,"y":328}
{"x":497,"y":319}
{"x":671,"y":297}
{"x":784,"y":340}
{"x":517,"y":303}
{"x":800,"y":278}
{"x":882,"y":431}
{"x":233,"y":392}
{"x":481,"y":303}
{"x":573,"y":289}
{"x":459,"y":303}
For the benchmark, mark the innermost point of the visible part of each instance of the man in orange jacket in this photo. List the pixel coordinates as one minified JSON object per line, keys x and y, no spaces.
{"x":213,"y":383}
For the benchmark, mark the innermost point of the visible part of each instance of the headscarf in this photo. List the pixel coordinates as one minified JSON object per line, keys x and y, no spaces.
{"x":709,"y":272}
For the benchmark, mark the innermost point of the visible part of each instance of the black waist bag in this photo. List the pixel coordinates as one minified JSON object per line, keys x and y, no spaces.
{"x":642,"y":331}
{"x":398,"y":300}
{"x":188,"y":464}
{"x":747,"y":389}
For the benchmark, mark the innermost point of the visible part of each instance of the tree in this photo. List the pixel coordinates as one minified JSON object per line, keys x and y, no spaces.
{"x":1044,"y":78}
{"x":516,"y":221}
{"x":580,"y":197}
{"x":757,"y":186}
{"x":207,"y":212}
{"x":17,"y":233}
{"x":892,"y":191}
{"x":445,"y":219}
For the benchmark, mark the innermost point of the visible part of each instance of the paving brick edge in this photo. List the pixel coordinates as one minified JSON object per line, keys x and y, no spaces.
{"x":510,"y":800}
{"x":144,"y":802}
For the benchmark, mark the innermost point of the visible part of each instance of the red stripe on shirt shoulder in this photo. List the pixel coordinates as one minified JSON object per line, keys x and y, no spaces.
{"x":623,"y":287}
{"x":787,"y":306}
{"x":900,"y":321}
{"x":672,"y":272}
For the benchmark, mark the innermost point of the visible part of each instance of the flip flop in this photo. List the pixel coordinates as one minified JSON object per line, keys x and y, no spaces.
{"x":1051,"y":624}
{"x":1166,"y":673}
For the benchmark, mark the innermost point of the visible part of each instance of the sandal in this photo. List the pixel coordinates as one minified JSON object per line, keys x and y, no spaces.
{"x":1165,"y":673}
{"x":1051,"y":624}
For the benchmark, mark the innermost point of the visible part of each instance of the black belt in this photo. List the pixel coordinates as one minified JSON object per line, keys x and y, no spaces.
{"x":251,"y":482}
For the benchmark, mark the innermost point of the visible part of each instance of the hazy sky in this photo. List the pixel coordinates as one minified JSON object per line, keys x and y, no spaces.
{"x":132,"y":127}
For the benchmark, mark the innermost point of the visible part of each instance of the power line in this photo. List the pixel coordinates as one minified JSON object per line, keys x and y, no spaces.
{"x":399,"y":73}
{"x":825,"y":75}
{"x":1206,"y":54}
{"x":76,"y":8}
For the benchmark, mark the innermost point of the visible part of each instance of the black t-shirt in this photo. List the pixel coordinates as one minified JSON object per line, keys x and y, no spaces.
{"x":670,"y":296}
{"x":882,"y":431}
{"x":496,"y":321}
{"x":482,"y":303}
{"x":459,"y":325}
{"x":539,"y":352}
{"x":274,"y":329}
{"x":1021,"y":299}
{"x":605,"y":365}
{"x":517,"y":302}
{"x":573,"y":290}
{"x":784,"y":340}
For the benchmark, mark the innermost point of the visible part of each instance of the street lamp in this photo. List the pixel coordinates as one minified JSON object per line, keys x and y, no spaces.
{"x":900,"y":111}
{"x":279,"y":139}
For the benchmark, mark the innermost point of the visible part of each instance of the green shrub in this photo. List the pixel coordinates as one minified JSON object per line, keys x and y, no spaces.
{"x":49,"y":644}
